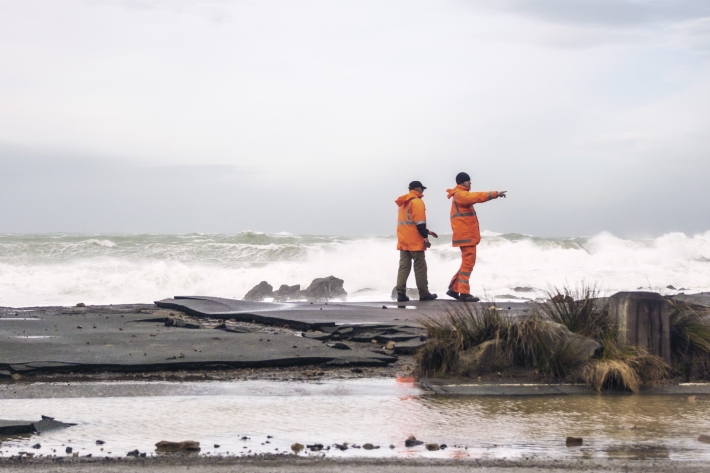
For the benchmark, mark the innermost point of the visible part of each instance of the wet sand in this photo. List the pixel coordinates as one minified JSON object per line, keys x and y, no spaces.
{"x":293,"y":464}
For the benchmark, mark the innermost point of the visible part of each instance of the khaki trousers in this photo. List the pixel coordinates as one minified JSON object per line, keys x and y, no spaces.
{"x":405,"y":267}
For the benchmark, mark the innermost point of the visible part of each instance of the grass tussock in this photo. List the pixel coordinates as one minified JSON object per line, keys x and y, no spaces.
{"x":457,"y":331}
{"x":581,"y":309}
{"x":623,"y":367}
{"x":608,"y":374}
{"x":530,"y":341}
{"x":690,"y":340}
{"x":554,"y":339}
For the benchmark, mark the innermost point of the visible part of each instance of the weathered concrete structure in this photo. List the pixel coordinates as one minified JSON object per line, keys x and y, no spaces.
{"x":643,"y":321}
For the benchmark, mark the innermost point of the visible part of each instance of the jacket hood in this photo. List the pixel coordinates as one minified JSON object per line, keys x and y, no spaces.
{"x":402,"y":200}
{"x":450,"y":192}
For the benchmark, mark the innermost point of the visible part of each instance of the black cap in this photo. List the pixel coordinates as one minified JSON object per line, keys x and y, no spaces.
{"x":415,"y":184}
{"x":462,"y":177}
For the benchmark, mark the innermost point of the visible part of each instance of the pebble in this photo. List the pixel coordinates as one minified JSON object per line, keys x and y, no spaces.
{"x":296,"y":447}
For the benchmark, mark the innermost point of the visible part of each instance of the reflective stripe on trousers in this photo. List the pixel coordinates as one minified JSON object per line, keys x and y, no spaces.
{"x":460,"y":281}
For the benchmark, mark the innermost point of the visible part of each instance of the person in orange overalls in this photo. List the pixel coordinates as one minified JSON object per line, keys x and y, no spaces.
{"x":412,"y":242}
{"x":467,"y":235}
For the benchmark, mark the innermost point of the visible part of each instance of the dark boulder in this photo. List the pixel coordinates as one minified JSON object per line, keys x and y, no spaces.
{"x":326,"y":289}
{"x":261,"y":291}
{"x":288,"y":293}
{"x":560,"y":299}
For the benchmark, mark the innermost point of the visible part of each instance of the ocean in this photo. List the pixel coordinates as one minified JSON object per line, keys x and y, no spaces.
{"x":65,"y":269}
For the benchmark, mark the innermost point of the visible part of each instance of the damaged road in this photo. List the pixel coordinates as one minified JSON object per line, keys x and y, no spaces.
{"x":130,"y":338}
{"x":205,"y":333}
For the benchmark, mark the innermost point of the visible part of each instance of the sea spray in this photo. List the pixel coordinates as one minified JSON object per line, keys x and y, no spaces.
{"x":61,"y":269}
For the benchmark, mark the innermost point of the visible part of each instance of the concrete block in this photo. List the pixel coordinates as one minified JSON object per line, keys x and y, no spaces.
{"x":643,"y":321}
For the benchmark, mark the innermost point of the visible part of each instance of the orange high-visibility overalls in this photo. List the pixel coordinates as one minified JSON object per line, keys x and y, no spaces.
{"x":467,"y":234}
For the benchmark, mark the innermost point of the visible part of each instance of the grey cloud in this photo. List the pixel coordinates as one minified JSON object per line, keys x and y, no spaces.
{"x":612,"y":13}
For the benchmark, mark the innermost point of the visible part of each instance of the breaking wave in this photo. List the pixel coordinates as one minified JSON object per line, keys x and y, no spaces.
{"x":63,"y":269}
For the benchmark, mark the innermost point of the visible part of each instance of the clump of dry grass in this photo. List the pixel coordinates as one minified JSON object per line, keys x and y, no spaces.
{"x":600,"y":374}
{"x":456,"y":331}
{"x":625,"y":367}
{"x":690,"y":340}
{"x":528,"y":341}
{"x":535,"y":340}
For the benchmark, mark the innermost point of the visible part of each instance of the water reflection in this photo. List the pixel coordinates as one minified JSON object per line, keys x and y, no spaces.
{"x":240,"y":417}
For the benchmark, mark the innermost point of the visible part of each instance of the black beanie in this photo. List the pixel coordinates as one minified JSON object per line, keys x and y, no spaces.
{"x":462,"y":177}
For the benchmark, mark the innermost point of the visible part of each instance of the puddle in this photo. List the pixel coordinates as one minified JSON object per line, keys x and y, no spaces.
{"x":248,"y":417}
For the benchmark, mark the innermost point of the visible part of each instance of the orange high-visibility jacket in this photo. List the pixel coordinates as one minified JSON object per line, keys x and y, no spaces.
{"x":464,"y":221}
{"x":412,"y":212}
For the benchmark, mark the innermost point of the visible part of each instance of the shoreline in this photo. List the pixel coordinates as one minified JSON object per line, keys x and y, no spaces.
{"x":293,"y":463}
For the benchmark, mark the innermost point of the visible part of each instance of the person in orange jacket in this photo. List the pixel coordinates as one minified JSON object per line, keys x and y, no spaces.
{"x":412,"y":242}
{"x":467,"y":235}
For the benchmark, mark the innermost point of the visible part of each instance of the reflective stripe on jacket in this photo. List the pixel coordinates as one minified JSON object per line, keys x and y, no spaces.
{"x":411,"y":212}
{"x":464,"y":221}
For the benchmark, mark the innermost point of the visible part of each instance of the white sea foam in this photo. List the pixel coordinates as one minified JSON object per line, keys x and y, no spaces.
{"x":111,"y":269}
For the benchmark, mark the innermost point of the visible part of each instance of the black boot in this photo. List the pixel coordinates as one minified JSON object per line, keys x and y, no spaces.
{"x":453,"y":294}
{"x":428,"y":297}
{"x":468,"y":298}
{"x":402,"y":297}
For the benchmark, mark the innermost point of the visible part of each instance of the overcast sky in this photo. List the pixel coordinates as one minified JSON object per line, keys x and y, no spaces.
{"x":312,"y":116}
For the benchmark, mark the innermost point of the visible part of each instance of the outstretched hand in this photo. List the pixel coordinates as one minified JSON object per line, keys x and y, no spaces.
{"x":502,"y":194}
{"x":433,"y":234}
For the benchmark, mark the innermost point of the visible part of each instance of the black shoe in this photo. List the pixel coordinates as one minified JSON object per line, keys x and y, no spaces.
{"x":402,"y":297}
{"x":428,"y":297}
{"x":453,"y":294}
{"x":468,"y":298}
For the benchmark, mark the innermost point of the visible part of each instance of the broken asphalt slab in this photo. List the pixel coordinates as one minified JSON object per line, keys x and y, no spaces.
{"x":15,"y":427}
{"x":314,"y":316}
{"x":130,"y":338}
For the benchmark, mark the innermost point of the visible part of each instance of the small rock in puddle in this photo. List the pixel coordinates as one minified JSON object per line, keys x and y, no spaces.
{"x":165,"y":446}
{"x":297,"y":447}
{"x":574,"y":441}
{"x":412,"y":442}
{"x":432,"y":447}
